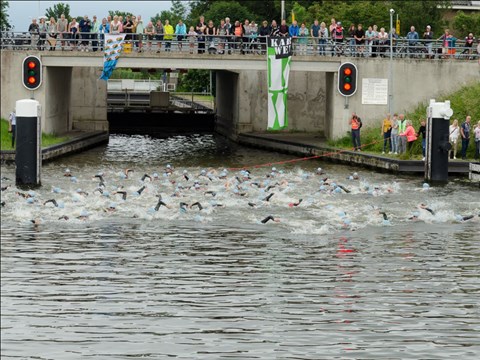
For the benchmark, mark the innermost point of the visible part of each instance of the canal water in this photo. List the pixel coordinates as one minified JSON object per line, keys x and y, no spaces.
{"x":330,"y":278}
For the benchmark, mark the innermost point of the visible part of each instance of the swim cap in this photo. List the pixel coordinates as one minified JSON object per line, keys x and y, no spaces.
{"x":67,"y":170}
{"x":73,"y":179}
{"x":30,"y":201}
{"x":56,"y":190}
{"x":169,"y":166}
{"x":31,"y":193}
{"x":426,"y":186}
{"x":112,"y":205}
{"x":155,"y":175}
{"x":274,"y":169}
{"x":84,"y":213}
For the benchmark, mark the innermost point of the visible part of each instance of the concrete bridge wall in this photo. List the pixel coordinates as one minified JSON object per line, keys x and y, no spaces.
{"x":72,"y":97}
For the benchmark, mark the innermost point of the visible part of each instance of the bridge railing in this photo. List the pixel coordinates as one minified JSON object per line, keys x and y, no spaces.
{"x":250,"y":45}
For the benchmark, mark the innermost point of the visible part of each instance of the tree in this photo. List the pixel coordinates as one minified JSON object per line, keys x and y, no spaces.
{"x":4,"y":24}
{"x":464,"y":24}
{"x":119,"y":13}
{"x":58,"y":9}
{"x":195,"y":80}
{"x":232,"y":9}
{"x":179,"y":10}
{"x":165,"y":15}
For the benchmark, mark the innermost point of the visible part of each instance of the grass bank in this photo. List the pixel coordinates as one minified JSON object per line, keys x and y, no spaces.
{"x":463,"y":102}
{"x":6,"y":137}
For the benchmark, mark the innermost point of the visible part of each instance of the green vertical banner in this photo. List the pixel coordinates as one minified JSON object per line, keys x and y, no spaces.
{"x":279,"y":56}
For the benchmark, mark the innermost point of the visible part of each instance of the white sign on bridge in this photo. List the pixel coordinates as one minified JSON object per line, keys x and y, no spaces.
{"x":374,"y":91}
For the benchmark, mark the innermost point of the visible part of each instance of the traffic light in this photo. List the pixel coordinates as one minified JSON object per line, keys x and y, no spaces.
{"x":347,"y":79}
{"x":32,"y":72}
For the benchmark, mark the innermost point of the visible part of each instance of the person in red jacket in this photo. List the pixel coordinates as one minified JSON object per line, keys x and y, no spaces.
{"x":411,"y":135}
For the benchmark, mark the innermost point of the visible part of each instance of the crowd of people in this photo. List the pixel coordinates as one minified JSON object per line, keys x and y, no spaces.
{"x":399,"y":135}
{"x":246,"y":37}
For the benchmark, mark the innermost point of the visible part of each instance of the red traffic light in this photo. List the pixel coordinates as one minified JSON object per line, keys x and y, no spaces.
{"x":32,"y":72}
{"x":347,"y":79}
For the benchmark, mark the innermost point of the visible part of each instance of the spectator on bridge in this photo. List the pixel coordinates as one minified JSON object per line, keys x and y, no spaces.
{"x":375,"y":41}
{"x":356,"y":123}
{"x":264,"y":32}
{"x":139,"y":31}
{"x":382,"y":42}
{"x":314,"y":33}
{"x":386,"y":133}
{"x":168,"y":35}
{"x":293,"y":31}
{"x":211,"y":31}
{"x":359,"y":39}
{"x":94,"y":33}
{"x":150,"y":35}
{"x":274,"y":29}
{"x":477,"y":141}
{"x":181,"y":32}
{"x":337,"y":36}
{"x":332,"y":26}
{"x":159,"y":34}
{"x":201,"y":29}
{"x":303,"y":39}
{"x":454,"y":133}
{"x":246,"y":36}
{"x":85,"y":27}
{"x":62,"y":29}
{"x":192,"y":35}
{"x":369,"y":36}
{"x":73,"y":30}
{"x":52,"y":34}
{"x":351,"y":39}
{"x":42,"y":28}
{"x":103,"y":28}
{"x":428,"y":37}
{"x":283,"y":30}
{"x":393,"y":37}
{"x":323,"y":38}
{"x":469,"y":41}
{"x":120,"y":20}
{"x":115,"y":26}
{"x":228,"y":27}
{"x":128,"y":28}
{"x":465,"y":133}
{"x":412,"y":38}
{"x":238,"y":33}
{"x":448,"y":44}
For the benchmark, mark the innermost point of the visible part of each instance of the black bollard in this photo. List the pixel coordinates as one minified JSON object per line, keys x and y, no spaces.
{"x":28,"y":155}
{"x":437,"y":144}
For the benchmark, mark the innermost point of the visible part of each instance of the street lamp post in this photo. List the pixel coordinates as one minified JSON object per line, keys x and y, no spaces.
{"x":390,"y":76}
{"x":282,"y":15}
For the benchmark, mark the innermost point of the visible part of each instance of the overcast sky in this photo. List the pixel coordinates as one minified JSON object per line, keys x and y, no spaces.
{"x":21,"y":12}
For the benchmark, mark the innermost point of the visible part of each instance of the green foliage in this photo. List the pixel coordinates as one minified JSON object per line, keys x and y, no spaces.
{"x":232,"y":9}
{"x":179,"y":11}
{"x":124,"y":14}
{"x":4,"y":24}
{"x":464,"y":24}
{"x":463,"y":102}
{"x":57,"y":10}
{"x":143,"y":74}
{"x":165,"y":15}
{"x":6,"y":137}
{"x":194,"y":81}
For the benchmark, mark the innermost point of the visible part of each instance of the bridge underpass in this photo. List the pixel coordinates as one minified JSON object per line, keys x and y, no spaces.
{"x":73,"y":97}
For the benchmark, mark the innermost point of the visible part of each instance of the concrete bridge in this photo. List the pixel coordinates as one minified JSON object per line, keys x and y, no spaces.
{"x":73,"y":97}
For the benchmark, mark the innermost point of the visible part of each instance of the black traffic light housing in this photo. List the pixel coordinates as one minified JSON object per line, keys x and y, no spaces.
{"x":32,"y":72}
{"x":347,"y":79}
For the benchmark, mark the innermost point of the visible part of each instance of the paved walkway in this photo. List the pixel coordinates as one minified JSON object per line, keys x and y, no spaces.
{"x":307,"y":144}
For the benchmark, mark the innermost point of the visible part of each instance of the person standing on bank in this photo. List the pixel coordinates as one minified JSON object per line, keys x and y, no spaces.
{"x":387,"y":133}
{"x":423,"y":131}
{"x":465,"y":133}
{"x":12,"y":124}
{"x":356,"y":123}
{"x":402,"y":139}
{"x":394,"y":134}
{"x":477,"y":141}
{"x":410,"y":136}
{"x":454,"y":133}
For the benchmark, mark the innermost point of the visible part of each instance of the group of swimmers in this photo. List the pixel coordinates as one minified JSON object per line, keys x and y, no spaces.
{"x":205,"y":186}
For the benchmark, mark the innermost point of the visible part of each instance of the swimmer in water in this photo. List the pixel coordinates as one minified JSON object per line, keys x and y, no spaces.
{"x":139,"y":191}
{"x":319,"y":171}
{"x":295,"y":204}
{"x":63,"y":217}
{"x":200,"y":207}
{"x":126,"y":172}
{"x":123,"y":193}
{"x":99,"y":177}
{"x":252,"y":204}
{"x":424,"y":207}
{"x":213,"y":193}
{"x":268,"y":197}
{"x":81,"y":192}
{"x":343,"y":188}
{"x":5,"y":187}
{"x":161,"y":203}
{"x":53,"y":201}
{"x":3,"y":203}
{"x":67,"y":173}
{"x":268,"y":218}
{"x":146,"y":176}
{"x":183,"y":207}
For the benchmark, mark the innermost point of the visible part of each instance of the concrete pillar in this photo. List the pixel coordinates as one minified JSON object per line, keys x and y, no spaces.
{"x":88,"y":110}
{"x":227,"y":103}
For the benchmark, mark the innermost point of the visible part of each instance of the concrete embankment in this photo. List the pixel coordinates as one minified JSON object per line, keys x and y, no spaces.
{"x":77,"y":143}
{"x":314,"y":145}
